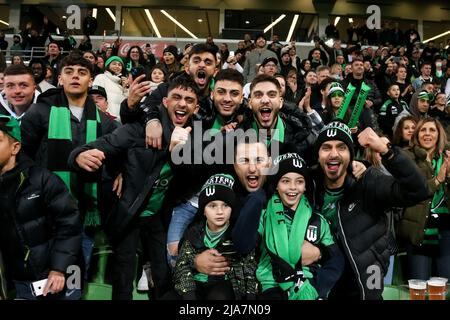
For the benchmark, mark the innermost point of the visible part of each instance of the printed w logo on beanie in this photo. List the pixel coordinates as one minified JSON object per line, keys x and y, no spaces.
{"x":210,"y":191}
{"x":297,"y":163}
{"x":331,"y":132}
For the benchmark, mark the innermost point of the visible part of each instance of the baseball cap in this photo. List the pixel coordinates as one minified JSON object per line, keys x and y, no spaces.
{"x":267,"y":60}
{"x":11,"y":126}
{"x":98,"y":90}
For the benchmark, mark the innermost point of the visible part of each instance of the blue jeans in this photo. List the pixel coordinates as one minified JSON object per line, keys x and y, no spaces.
{"x":420,"y":264}
{"x":390,"y":272}
{"x":87,"y":247}
{"x":182,"y":216}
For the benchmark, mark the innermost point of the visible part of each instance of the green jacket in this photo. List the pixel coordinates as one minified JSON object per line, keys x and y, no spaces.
{"x":412,"y":225}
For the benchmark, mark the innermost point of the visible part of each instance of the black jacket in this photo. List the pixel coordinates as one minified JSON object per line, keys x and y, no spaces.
{"x":34,"y":126}
{"x":363,"y":233}
{"x":40,"y":227}
{"x":141,"y":168}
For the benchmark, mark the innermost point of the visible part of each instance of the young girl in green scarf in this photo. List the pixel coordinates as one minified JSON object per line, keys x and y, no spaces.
{"x":286,"y":223}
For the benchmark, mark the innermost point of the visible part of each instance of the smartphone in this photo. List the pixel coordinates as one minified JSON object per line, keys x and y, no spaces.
{"x":37,"y":287}
{"x":137,"y":71}
{"x":227,"y":253}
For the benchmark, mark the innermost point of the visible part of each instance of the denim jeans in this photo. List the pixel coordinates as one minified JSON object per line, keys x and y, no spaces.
{"x":390,"y":272}
{"x":182,"y":216}
{"x":87,"y":246}
{"x":420,"y":264}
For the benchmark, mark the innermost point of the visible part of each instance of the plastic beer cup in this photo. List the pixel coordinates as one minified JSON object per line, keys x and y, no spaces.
{"x":417,"y":289}
{"x":437,"y":288}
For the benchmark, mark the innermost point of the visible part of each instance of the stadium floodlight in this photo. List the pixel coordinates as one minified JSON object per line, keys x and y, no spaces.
{"x":94,"y":13}
{"x":152,"y":22}
{"x":270,"y":26}
{"x":336,"y":21}
{"x":111,"y":14}
{"x":178,"y":24}
{"x":350,"y":20}
{"x":291,"y":29}
{"x":4,"y":22}
{"x":438,"y":36}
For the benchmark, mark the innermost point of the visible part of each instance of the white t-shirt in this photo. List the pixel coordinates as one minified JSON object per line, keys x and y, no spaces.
{"x":77,"y":112}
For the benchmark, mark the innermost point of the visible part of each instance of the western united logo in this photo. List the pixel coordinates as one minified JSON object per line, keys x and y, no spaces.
{"x":331,"y":132}
{"x":311,"y":234}
{"x":210,"y":191}
{"x":297,"y":163}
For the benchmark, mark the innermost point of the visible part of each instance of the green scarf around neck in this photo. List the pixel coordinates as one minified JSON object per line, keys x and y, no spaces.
{"x":59,"y":148}
{"x":439,"y":203}
{"x":278,"y":131}
{"x":284,"y":244}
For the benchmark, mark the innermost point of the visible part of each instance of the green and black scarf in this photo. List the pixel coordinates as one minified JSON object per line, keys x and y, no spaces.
{"x":286,"y":243}
{"x":278,"y":131}
{"x":438,"y":206}
{"x":59,"y":148}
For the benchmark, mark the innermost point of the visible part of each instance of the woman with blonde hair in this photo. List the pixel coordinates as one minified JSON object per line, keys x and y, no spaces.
{"x":426,"y":226}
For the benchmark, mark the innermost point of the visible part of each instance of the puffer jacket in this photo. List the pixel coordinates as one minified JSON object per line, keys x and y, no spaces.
{"x":363,"y":231}
{"x":141,"y":168}
{"x":46,"y":232}
{"x":241,"y":274}
{"x":115,"y":91}
{"x":412,"y":225}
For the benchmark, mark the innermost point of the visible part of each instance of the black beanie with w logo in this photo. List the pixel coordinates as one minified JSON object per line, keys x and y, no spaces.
{"x":336,"y":130}
{"x":217,"y":187}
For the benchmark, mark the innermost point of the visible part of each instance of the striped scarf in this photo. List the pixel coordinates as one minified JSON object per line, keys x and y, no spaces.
{"x":59,"y":148}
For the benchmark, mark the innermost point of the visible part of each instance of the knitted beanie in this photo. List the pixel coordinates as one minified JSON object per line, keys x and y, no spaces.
{"x":111,"y":59}
{"x":217,"y":187}
{"x":336,"y":130}
{"x":173,"y":50}
{"x":288,"y":162}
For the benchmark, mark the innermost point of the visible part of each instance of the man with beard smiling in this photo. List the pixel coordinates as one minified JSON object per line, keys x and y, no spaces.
{"x":19,"y":91}
{"x":355,"y":209}
{"x":147,"y":176}
{"x":292,"y":126}
{"x":39,"y":72}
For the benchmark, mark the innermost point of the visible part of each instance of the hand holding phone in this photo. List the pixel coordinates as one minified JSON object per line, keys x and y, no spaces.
{"x":37,"y":287}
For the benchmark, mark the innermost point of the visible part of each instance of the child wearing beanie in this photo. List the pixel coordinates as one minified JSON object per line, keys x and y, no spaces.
{"x":285,"y":224}
{"x":216,"y":202}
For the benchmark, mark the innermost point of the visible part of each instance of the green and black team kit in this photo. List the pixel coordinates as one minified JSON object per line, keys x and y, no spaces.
{"x":329,"y":208}
{"x":159,"y":192}
{"x":283,"y":232}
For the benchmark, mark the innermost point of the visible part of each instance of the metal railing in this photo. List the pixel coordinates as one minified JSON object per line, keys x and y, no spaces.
{"x":26,"y":55}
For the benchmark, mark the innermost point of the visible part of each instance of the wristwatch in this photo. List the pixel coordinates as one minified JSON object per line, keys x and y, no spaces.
{"x":389,"y":154}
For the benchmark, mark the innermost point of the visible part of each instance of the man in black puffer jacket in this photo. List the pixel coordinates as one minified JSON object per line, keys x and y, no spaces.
{"x":355,"y":208}
{"x":40,"y":226}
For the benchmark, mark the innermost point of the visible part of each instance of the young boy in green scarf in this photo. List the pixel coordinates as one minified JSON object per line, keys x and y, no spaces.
{"x":287,"y":221}
{"x":217,"y":204}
